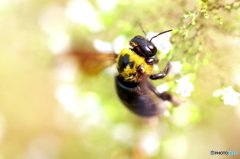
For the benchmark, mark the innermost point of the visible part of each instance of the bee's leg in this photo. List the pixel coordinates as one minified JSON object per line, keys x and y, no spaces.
{"x":162,"y":74}
{"x":163,"y":95}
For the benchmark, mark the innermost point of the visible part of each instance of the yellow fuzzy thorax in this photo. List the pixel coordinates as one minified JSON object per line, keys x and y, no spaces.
{"x":131,"y":74}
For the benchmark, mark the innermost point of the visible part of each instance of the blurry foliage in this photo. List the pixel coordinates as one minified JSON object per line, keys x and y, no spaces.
{"x":47,"y":111}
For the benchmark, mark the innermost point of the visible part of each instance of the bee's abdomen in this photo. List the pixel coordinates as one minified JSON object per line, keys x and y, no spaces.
{"x":137,"y":98}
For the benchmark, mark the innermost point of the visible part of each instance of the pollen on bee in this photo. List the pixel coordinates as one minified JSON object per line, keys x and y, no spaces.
{"x":139,"y":65}
{"x":129,"y":70}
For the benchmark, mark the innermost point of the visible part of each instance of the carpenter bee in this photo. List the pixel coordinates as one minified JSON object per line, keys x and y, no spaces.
{"x":135,"y":68}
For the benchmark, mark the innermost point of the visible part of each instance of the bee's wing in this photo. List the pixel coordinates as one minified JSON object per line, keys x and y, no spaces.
{"x":93,"y":63}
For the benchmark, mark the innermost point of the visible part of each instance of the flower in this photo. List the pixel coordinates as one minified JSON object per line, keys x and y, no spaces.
{"x":176,"y":67}
{"x":230,"y":97}
{"x":185,"y":87}
{"x":162,"y":88}
{"x":161,"y":42}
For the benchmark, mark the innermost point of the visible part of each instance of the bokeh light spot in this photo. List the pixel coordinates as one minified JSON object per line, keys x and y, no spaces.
{"x":82,"y":12}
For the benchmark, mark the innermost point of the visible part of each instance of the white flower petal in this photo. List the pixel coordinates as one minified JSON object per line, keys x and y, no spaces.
{"x":184,"y":87}
{"x":230,"y":97}
{"x":176,"y":67}
{"x":161,"y":42}
{"x":162,"y":88}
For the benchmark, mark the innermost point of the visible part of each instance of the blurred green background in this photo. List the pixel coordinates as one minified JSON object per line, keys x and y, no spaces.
{"x":50,"y":110}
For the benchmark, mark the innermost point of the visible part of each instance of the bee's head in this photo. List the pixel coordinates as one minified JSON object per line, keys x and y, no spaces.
{"x":144,"y":47}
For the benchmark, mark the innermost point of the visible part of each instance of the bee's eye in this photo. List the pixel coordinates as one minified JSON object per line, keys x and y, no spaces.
{"x":152,"y":48}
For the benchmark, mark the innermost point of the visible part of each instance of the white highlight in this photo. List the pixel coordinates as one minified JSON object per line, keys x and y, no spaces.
{"x":104,"y":47}
{"x":119,"y":43}
{"x":82,"y":12}
{"x":150,"y":143}
{"x":107,"y":5}
{"x":66,"y":73}
{"x":67,"y":96}
{"x":58,"y":42}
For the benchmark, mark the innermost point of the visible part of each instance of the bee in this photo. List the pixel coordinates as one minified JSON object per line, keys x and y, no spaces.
{"x":135,"y":68}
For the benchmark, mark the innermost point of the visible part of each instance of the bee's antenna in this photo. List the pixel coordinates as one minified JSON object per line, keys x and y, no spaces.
{"x":142,"y":29}
{"x":160,"y":34}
